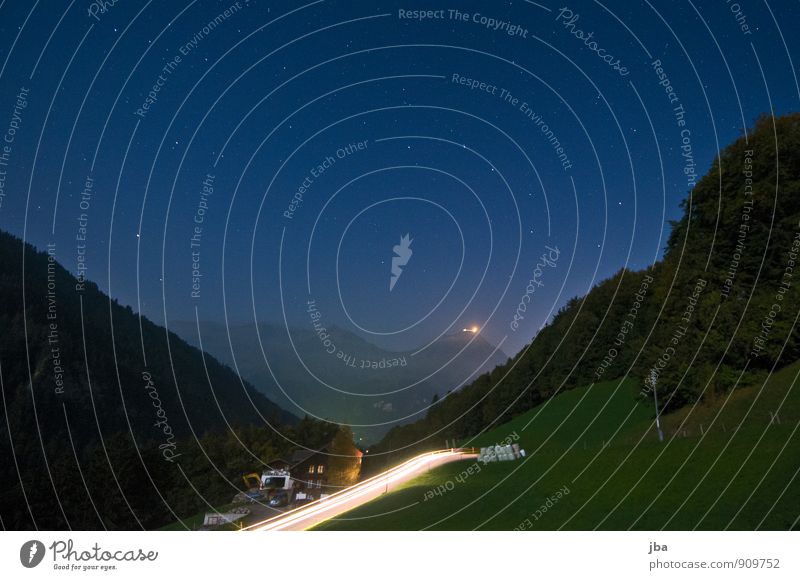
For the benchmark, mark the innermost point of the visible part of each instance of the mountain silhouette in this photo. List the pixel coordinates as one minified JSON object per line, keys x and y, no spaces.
{"x":365,"y":385}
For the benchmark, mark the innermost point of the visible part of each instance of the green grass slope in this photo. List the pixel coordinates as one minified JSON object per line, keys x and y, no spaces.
{"x":594,"y":462}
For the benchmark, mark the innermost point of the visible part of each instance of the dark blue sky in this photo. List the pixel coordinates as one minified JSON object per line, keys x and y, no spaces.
{"x":262,"y":95}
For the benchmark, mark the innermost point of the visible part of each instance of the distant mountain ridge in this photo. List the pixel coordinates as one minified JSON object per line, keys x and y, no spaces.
{"x":358,"y":382}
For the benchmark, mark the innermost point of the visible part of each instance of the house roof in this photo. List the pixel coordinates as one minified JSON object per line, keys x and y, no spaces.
{"x":298,"y":456}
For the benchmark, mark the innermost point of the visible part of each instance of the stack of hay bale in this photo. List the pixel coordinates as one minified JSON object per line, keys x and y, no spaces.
{"x":500,"y":453}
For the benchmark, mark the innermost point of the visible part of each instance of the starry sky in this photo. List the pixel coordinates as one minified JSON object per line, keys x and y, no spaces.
{"x":247,"y":157}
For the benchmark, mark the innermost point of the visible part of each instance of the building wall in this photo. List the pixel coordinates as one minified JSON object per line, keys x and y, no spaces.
{"x":312,"y":474}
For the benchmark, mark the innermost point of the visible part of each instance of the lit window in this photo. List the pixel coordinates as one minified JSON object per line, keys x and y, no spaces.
{"x":311,"y":469}
{"x":320,"y":468}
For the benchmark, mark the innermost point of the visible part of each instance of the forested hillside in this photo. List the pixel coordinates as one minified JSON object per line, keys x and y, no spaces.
{"x":92,"y":435}
{"x":720,"y":307}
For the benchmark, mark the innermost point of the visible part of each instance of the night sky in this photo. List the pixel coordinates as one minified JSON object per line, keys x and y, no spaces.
{"x":230,"y":161}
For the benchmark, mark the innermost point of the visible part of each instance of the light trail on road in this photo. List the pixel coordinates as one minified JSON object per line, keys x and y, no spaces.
{"x":312,"y":514}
